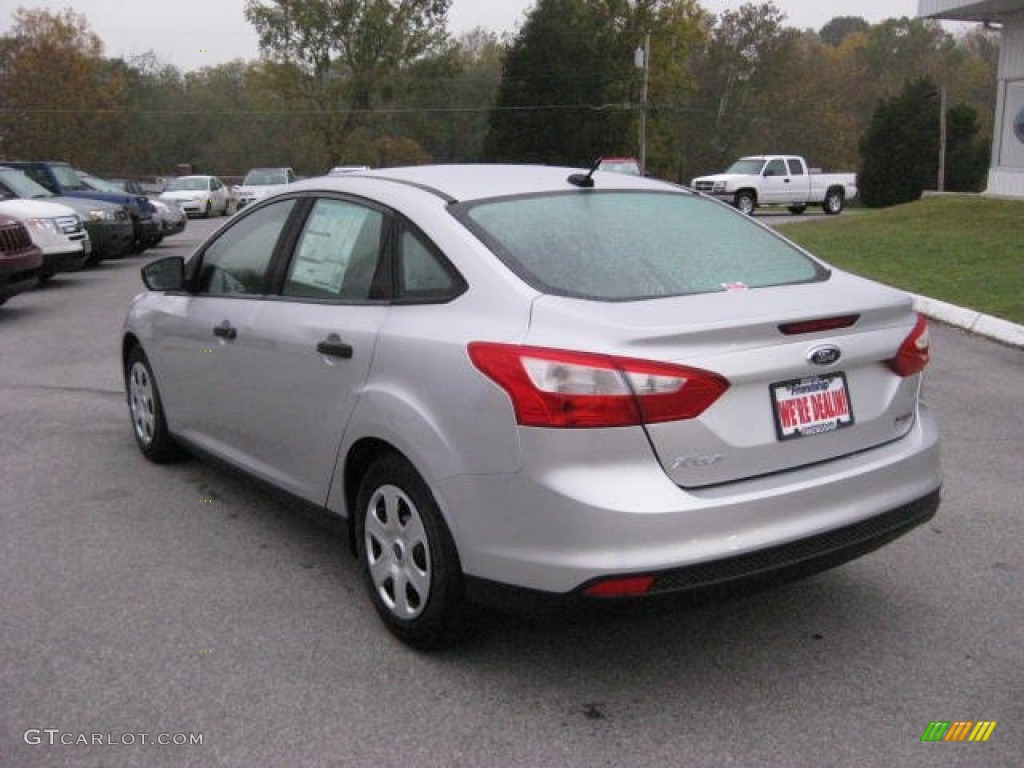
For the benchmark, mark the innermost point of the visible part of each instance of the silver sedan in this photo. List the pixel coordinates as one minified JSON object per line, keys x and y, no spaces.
{"x":539,"y":385}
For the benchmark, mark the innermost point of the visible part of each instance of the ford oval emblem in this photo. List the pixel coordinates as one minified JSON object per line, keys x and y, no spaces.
{"x":827,"y":355}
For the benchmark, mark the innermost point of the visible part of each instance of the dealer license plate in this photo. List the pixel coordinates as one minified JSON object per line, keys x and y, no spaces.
{"x":811,"y":406}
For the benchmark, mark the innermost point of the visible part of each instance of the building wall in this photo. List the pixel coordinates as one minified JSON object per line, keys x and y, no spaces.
{"x":1006,"y":176}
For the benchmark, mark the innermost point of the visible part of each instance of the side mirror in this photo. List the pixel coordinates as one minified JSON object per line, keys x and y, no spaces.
{"x":166,"y":274}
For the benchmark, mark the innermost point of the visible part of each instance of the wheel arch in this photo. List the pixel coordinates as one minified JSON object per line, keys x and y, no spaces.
{"x":837,"y":190}
{"x":431,"y":435}
{"x":360,"y":457}
{"x":128,"y":343}
{"x":745,"y":192}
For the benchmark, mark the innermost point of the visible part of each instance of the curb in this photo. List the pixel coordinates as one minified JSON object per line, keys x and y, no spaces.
{"x":971,"y":320}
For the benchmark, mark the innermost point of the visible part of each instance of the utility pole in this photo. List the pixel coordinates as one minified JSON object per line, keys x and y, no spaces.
{"x":642,"y":60}
{"x":942,"y":138}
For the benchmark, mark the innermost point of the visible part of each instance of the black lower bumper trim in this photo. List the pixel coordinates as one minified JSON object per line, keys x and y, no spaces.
{"x":829,"y":549}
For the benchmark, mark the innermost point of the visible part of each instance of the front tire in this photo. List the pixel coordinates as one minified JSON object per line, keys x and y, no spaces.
{"x":745,"y":202}
{"x":407,"y":556}
{"x":149,"y":425}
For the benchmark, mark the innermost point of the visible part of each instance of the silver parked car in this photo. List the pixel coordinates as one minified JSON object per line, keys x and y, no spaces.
{"x":536,"y":382}
{"x":198,"y":195}
{"x":260,"y":183}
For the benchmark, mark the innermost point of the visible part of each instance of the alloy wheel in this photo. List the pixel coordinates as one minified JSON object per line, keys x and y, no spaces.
{"x":140,"y":401}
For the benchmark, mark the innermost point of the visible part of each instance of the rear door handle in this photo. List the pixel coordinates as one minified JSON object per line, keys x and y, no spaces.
{"x":333,"y":346}
{"x":225,"y":331}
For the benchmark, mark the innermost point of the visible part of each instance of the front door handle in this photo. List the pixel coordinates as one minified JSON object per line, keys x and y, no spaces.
{"x":333,"y":346}
{"x":225,"y":331}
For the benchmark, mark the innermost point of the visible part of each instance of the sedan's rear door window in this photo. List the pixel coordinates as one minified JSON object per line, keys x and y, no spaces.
{"x":338,"y":254}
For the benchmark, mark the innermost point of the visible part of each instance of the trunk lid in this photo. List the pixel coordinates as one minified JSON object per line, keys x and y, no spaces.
{"x":793,"y":400}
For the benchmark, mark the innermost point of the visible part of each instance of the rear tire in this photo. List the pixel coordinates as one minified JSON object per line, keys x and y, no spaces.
{"x":834,"y":201}
{"x":407,"y":556}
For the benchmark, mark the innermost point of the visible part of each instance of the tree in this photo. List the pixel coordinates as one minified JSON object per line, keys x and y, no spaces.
{"x":331,"y":57}
{"x":58,"y":95}
{"x":749,"y":57}
{"x":967,"y":156}
{"x":564,"y":92}
{"x":841,"y":27}
{"x":679,"y":34}
{"x":900,"y":149}
{"x":442,"y":101}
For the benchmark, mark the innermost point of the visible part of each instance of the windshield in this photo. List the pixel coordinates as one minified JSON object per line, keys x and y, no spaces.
{"x":263,"y":177}
{"x":101,"y":185}
{"x":67,"y":178}
{"x":749,"y":166}
{"x":21,"y":185}
{"x":188,"y":184}
{"x":622,"y":246}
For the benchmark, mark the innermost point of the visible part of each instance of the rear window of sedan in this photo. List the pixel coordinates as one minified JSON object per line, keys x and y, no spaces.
{"x":633,"y":245}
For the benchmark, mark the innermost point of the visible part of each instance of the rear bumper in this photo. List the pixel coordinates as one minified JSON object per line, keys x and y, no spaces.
{"x":795,"y":559}
{"x":557,"y":526}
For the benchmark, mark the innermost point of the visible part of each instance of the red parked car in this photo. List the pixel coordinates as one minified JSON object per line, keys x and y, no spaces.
{"x":20,"y":259}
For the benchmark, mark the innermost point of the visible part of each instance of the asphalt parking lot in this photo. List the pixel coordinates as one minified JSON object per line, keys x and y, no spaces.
{"x":142,"y":602}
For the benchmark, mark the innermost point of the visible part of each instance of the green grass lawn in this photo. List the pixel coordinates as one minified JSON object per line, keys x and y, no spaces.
{"x":963,"y":249}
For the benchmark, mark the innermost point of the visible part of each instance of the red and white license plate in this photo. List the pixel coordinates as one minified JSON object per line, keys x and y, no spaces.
{"x":811,"y":406}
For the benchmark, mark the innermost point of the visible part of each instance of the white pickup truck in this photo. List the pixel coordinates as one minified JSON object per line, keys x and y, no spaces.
{"x":779,"y":180}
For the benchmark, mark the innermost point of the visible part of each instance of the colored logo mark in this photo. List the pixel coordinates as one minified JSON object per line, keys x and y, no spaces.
{"x":959,"y":730}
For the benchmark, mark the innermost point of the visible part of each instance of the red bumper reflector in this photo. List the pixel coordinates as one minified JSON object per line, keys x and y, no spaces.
{"x":631,"y":586}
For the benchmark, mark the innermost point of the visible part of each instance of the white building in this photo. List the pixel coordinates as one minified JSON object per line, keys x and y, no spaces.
{"x":1006,"y":176}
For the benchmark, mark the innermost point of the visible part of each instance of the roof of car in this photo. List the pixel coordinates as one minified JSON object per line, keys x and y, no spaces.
{"x":472,"y":181}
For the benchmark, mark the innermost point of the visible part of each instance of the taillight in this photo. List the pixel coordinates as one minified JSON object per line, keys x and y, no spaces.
{"x":559,"y":388}
{"x":914,"y":351}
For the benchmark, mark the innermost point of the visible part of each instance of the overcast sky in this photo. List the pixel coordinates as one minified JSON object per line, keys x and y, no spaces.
{"x":196,"y":33}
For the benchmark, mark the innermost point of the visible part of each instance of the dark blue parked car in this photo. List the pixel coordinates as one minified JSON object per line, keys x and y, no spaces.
{"x":61,"y":179}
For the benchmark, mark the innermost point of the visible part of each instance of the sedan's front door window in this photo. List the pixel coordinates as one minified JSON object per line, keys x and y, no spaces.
{"x":237,"y":262}
{"x":338,"y":252}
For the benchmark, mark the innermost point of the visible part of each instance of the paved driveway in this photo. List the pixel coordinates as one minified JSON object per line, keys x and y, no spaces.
{"x":185,"y":601}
